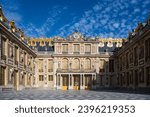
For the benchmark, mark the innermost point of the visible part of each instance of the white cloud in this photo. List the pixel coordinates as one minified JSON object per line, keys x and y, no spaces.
{"x":116,"y":25}
{"x":46,"y":27}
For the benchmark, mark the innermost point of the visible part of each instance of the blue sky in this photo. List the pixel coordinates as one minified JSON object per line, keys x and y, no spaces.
{"x":105,"y":18}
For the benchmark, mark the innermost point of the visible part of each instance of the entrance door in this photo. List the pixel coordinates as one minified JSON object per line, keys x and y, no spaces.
{"x":65,"y":82}
{"x":136,"y":78}
{"x":76,"y":82}
{"x":88,"y":82}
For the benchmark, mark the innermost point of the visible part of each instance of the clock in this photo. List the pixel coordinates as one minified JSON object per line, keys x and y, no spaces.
{"x":76,"y":36}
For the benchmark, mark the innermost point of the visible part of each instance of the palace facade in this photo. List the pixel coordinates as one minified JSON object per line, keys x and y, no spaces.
{"x":75,"y":62}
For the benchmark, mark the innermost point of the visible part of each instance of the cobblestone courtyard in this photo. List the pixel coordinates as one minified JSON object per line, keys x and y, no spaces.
{"x":44,"y":94}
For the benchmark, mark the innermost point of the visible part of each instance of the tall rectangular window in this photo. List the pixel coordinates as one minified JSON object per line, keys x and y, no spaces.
{"x":147,"y":50}
{"x":102,"y":66}
{"x":148,"y":75}
{"x":87,"y":48}
{"x":40,"y":65}
{"x":16,"y":55}
{"x":141,"y":75}
{"x":50,"y":65}
{"x":136,"y":56}
{"x":141,"y":52}
{"x":76,"y":48}
{"x":64,"y":48}
{"x":111,"y":65}
{"x":127,"y":60}
{"x":50,"y":77}
{"x":3,"y":48}
{"x":41,"y":78}
{"x":2,"y":75}
{"x":131,"y":77}
{"x":131,"y":57}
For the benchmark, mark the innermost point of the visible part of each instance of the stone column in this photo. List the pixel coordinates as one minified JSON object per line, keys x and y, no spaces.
{"x":61,"y":84}
{"x":69,"y":82}
{"x":6,"y":76}
{"x":17,"y":80}
{"x":31,"y":80}
{"x":72,"y":80}
{"x":55,"y":67}
{"x":56,"y":81}
{"x":81,"y":81}
{"x":92,"y":81}
{"x":24,"y":79}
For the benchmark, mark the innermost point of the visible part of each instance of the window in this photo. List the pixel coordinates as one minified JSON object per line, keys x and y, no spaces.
{"x":76,"y":48}
{"x":50,"y":77}
{"x":141,"y":52}
{"x":120,"y":63}
{"x":131,"y":57}
{"x":148,"y":75}
{"x":87,"y":64}
{"x":41,"y":78}
{"x":2,"y":75}
{"x":102,"y":66}
{"x":65,"y":48}
{"x":65,"y":64}
{"x":131,"y":77}
{"x":40,"y":65}
{"x":3,"y":48}
{"x":111,"y":65}
{"x":87,"y":48}
{"x":10,"y":51}
{"x":136,"y":56}
{"x":50,"y":65}
{"x":127,"y":60}
{"x":16,"y":55}
{"x":147,"y":50}
{"x":141,"y":75}
{"x":76,"y":64}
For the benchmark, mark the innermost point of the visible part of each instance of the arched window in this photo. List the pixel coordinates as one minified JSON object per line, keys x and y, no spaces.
{"x":87,"y":64}
{"x":64,"y":63}
{"x":76,"y":64}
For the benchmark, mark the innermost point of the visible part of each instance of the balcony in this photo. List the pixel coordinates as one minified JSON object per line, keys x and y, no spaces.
{"x":87,"y":52}
{"x":64,"y":52}
{"x":76,"y":71}
{"x":76,"y":52}
{"x":50,"y":70}
{"x":40,"y":70}
{"x":106,"y":53}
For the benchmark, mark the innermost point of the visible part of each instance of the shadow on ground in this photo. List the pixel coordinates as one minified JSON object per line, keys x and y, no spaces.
{"x":145,"y":91}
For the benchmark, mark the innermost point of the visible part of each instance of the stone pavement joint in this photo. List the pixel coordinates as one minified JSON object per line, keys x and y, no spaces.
{"x":41,"y":94}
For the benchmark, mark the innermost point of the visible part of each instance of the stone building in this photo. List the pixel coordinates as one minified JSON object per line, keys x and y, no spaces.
{"x":75,"y":62}
{"x":133,"y":59}
{"x":16,"y":58}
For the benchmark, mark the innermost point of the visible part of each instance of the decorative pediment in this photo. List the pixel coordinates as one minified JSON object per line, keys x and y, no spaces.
{"x":76,"y":36}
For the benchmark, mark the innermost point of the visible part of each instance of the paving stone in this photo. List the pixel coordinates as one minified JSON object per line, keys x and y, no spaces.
{"x":42,"y":94}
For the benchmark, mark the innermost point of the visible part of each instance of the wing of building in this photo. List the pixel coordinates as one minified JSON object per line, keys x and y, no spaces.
{"x":75,"y":62}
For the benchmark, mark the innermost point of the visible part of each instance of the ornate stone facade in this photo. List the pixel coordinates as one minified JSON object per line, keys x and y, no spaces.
{"x":75,"y":62}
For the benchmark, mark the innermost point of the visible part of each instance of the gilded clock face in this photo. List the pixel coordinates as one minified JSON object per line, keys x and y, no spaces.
{"x":76,"y":36}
